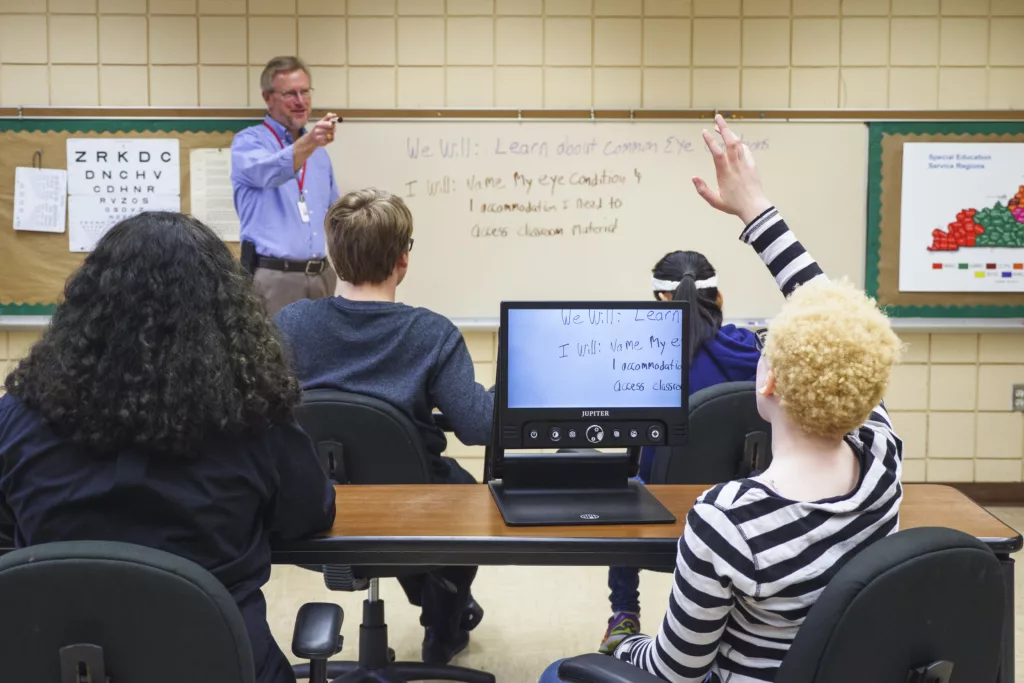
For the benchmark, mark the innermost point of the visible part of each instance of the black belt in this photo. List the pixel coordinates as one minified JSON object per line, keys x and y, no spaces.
{"x":311,"y":267}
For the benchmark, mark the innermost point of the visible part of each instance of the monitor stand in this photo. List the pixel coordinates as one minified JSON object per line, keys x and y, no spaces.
{"x":526,"y":497}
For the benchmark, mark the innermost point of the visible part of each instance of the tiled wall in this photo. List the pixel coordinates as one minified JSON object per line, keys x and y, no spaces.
{"x":950,"y":402}
{"x":520,"y":53}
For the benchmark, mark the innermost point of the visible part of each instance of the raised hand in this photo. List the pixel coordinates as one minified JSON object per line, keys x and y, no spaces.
{"x":323,"y":132}
{"x":739,"y":187}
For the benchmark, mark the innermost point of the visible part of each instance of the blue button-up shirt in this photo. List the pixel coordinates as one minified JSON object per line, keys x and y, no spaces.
{"x":266,"y":190}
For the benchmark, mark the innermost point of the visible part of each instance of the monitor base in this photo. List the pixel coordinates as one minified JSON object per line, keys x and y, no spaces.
{"x":633,"y":504}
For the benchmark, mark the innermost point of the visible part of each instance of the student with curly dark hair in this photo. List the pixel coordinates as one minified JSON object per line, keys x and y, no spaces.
{"x":157,"y":410}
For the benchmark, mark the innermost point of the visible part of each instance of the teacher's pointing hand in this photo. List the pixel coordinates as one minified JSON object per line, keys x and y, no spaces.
{"x":739,"y":187}
{"x":323,"y":131}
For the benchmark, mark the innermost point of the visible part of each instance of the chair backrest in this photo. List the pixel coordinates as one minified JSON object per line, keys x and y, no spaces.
{"x":120,"y":610}
{"x":363,"y":440}
{"x":912,"y":599}
{"x":727,"y":439}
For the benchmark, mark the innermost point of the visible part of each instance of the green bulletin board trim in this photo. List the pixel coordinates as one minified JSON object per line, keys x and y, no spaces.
{"x":110,"y":126}
{"x":874,"y":241}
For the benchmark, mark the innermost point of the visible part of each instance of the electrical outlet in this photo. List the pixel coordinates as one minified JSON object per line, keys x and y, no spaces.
{"x":1018,"y":397}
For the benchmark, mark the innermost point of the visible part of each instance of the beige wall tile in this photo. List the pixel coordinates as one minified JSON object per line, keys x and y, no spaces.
{"x":766,"y":8}
{"x":766,"y":42}
{"x":716,"y":88}
{"x":371,"y":41}
{"x":963,"y":42}
{"x":1004,"y":91}
{"x":1002,"y":348}
{"x":954,"y":348}
{"x":484,"y":373}
{"x":997,"y":470}
{"x":1007,"y":8}
{"x":814,"y":88}
{"x":617,"y":42}
{"x":666,"y":42}
{"x":960,"y":87}
{"x":256,"y":95}
{"x":470,"y":86}
{"x":867,"y":88}
{"x":815,"y":42}
{"x":908,"y":389}
{"x":480,"y":346}
{"x":23,"y":7}
{"x":337,"y":7}
{"x":716,"y":42}
{"x":20,"y":342}
{"x":618,"y":8}
{"x":73,"y":39}
{"x":173,"y":40}
{"x":23,"y":39}
{"x":519,"y":40}
{"x":222,"y":40}
{"x":331,"y":86}
{"x":223,"y":86}
{"x":914,"y":42}
{"x":379,"y":8}
{"x":765,"y":88}
{"x":272,"y":36}
{"x":950,"y":471}
{"x":221,"y":7}
{"x":617,"y":87}
{"x":912,"y":428}
{"x":874,"y":8}
{"x":1000,"y":435}
{"x":74,"y":85}
{"x":667,"y":8}
{"x":911,"y":88}
{"x":274,"y":7}
{"x":995,"y":385}
{"x":173,"y":86}
{"x":666,"y":88}
{"x":520,"y":7}
{"x":322,"y":40}
{"x":123,"y":6}
{"x":421,"y":7}
{"x":24,"y":84}
{"x":567,"y":42}
{"x":914,"y":471}
{"x":915,"y":7}
{"x":810,"y":8}
{"x":951,"y":435}
{"x":568,"y":87}
{"x":716,"y":8}
{"x":172,"y":6}
{"x":71,"y":6}
{"x":421,"y":41}
{"x":3,"y":346}
{"x":519,"y":86}
{"x":124,"y":86}
{"x":471,"y":40}
{"x":915,"y":347}
{"x":371,"y":86}
{"x":965,"y":7}
{"x":953,"y":387}
{"x":476,"y":7}
{"x":865,"y":42}
{"x":421,"y":86}
{"x":1007,"y":48}
{"x":123,"y":40}
{"x":568,"y":7}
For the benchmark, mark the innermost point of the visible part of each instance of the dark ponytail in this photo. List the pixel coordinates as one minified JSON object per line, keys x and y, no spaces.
{"x":686,"y":268}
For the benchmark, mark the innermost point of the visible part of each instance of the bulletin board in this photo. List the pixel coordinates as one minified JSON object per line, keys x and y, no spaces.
{"x":885,"y":171}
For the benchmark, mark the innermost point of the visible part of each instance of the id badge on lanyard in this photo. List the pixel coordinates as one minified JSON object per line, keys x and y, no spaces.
{"x":303,"y":209}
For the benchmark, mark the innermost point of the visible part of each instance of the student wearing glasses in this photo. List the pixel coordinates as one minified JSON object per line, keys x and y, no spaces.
{"x":283,"y":185}
{"x":364,"y":342}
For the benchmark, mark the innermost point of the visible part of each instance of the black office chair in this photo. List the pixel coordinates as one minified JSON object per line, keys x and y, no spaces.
{"x":363,"y":440}
{"x":728,"y":439}
{"x":89,"y":610}
{"x":920,"y":606}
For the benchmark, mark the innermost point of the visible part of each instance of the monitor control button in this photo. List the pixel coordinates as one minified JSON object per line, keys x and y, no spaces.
{"x":633,"y":433}
{"x":555,"y":434}
{"x":572,"y":433}
{"x":616,"y":433}
{"x":534,"y":434}
{"x":654,"y":433}
{"x":595,"y":434}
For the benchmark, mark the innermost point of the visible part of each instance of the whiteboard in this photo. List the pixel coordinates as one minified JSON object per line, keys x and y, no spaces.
{"x":523,"y":211}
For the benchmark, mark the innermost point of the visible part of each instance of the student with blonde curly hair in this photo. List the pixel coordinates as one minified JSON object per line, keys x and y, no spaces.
{"x":757,"y":552}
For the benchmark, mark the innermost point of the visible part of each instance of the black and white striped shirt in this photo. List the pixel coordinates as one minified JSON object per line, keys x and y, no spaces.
{"x":751,"y":563}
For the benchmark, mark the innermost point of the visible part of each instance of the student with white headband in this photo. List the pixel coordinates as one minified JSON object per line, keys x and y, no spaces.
{"x":717,"y":353}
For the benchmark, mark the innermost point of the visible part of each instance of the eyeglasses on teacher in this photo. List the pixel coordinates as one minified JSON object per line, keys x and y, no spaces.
{"x":296,"y":94}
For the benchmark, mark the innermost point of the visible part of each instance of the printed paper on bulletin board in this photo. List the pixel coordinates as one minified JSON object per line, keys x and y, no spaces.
{"x":885,"y":192}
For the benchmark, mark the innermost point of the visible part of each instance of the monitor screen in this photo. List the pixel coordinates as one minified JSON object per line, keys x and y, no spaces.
{"x":595,"y":358}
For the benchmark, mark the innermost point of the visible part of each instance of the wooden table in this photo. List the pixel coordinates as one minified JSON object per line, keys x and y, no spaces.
{"x":461,"y":525}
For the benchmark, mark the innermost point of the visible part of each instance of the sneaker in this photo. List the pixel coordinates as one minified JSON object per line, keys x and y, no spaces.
{"x":621,"y":626}
{"x":438,"y":651}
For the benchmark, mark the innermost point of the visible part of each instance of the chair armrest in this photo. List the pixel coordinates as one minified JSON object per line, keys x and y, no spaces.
{"x":317,"y":631}
{"x":595,"y":668}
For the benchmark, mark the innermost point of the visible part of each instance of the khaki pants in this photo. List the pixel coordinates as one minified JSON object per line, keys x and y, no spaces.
{"x":280,"y":288}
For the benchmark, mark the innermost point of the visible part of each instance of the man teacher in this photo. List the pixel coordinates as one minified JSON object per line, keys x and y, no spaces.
{"x":283,"y":185}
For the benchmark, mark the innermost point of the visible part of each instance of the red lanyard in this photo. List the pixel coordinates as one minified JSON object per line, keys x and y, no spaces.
{"x":302,"y":178}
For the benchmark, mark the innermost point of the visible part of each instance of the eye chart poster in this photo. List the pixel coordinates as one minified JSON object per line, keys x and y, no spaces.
{"x":110,"y":179}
